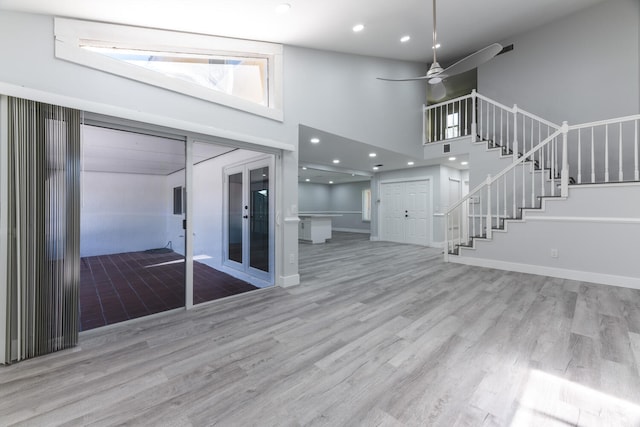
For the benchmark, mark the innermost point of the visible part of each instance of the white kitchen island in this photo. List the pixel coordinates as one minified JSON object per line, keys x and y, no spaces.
{"x":315,"y":228}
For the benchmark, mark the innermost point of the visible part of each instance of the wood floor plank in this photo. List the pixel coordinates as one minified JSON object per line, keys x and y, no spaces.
{"x":377,"y":334}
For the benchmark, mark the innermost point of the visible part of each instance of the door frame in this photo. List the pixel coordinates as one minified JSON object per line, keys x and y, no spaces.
{"x":430,"y":211}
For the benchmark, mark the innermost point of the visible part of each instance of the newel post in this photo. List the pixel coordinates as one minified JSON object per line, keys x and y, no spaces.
{"x":489,"y":214}
{"x":474,"y":125}
{"x":446,"y":236}
{"x":515,"y":132}
{"x":564,"y":174}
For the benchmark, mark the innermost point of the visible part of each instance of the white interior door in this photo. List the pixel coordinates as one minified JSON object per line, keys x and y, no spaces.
{"x":392,"y":214}
{"x":405,"y":209}
{"x":416,"y":202}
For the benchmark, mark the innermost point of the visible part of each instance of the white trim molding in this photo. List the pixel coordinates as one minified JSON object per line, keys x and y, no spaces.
{"x":596,"y":219}
{"x":353,"y":230}
{"x":288,"y":281}
{"x":562,"y":273}
{"x":139,"y":116}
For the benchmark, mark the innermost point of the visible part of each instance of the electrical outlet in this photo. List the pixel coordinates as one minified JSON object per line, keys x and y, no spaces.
{"x":292,"y":258}
{"x":554,"y":253}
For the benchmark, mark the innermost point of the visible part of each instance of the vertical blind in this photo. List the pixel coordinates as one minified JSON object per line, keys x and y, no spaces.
{"x":43,"y":264}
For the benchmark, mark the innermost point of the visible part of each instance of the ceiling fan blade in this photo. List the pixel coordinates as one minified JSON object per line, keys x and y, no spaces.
{"x":403,"y":80}
{"x":474,"y":60}
{"x":437,"y":91}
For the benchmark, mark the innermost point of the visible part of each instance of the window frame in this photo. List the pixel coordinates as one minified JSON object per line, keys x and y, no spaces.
{"x":452,"y":130}
{"x":366,"y":205}
{"x":71,"y":34}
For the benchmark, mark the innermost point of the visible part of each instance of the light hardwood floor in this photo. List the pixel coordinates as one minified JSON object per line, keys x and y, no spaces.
{"x":378,"y":334}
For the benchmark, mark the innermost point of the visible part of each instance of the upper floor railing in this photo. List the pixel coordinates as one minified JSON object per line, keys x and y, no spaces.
{"x":483,"y":119}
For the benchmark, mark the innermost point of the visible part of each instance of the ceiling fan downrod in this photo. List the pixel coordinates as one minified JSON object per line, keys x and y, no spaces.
{"x":435,"y":68}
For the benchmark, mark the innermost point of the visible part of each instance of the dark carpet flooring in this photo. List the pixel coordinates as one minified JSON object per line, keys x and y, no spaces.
{"x":119,"y":287}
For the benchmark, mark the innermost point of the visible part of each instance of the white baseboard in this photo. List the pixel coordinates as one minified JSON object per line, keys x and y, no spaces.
{"x":352,"y":230}
{"x":374,"y":238}
{"x":288,"y":281}
{"x":437,"y":245}
{"x":562,"y":273}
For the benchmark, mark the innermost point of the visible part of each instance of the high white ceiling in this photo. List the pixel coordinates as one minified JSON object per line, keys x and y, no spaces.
{"x":463,"y":25}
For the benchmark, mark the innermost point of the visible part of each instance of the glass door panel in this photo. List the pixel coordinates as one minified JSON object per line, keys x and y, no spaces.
{"x":259,"y":219}
{"x":235,"y":214}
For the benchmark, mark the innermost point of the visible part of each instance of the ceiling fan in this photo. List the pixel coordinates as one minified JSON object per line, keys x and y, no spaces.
{"x":437,"y":74}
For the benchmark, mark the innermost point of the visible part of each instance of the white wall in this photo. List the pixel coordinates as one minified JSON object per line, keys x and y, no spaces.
{"x":340,"y":199}
{"x":580,"y":68}
{"x":347,"y":200}
{"x":339,"y":94}
{"x":594,"y":232}
{"x":122,"y":213}
{"x":313,"y":197}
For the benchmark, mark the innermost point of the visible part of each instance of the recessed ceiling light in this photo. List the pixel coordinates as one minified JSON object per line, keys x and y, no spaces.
{"x":375,"y":168}
{"x":314,"y":140}
{"x":304,"y":168}
{"x":437,"y":46}
{"x":330,"y":182}
{"x":358,"y":28}
{"x":307,"y":180}
{"x":353,"y":174}
{"x":336,"y":161}
{"x":372,"y":154}
{"x":410,"y":163}
{"x":451,"y":159}
{"x":405,"y":39}
{"x":464,"y":163}
{"x":283,"y":8}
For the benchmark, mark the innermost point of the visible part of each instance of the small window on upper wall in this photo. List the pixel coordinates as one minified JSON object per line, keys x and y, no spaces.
{"x":453,"y":125}
{"x":366,"y":204}
{"x":241,"y":74}
{"x":178,"y":200}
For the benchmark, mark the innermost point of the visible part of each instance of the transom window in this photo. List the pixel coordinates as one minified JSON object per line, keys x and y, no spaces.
{"x":241,"y":74}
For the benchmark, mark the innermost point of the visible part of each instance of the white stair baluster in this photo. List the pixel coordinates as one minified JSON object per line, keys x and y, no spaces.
{"x":513,"y":194}
{"x":593,"y":158}
{"x":489,"y":215}
{"x":504,"y":194}
{"x":606,"y":153}
{"x":620,"y":173}
{"x":474,"y":125}
{"x":564,"y":175}
{"x":636,"y":174}
{"x":515,"y":132}
{"x":553,"y":162}
{"x":524,"y":191}
{"x":494,"y":137}
{"x":542,"y":174}
{"x":579,"y":156}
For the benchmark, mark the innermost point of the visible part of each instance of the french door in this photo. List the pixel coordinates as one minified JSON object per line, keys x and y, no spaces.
{"x":405,"y":212}
{"x":249,"y":234}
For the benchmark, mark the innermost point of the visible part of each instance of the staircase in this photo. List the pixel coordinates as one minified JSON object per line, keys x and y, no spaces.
{"x":547,"y":159}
